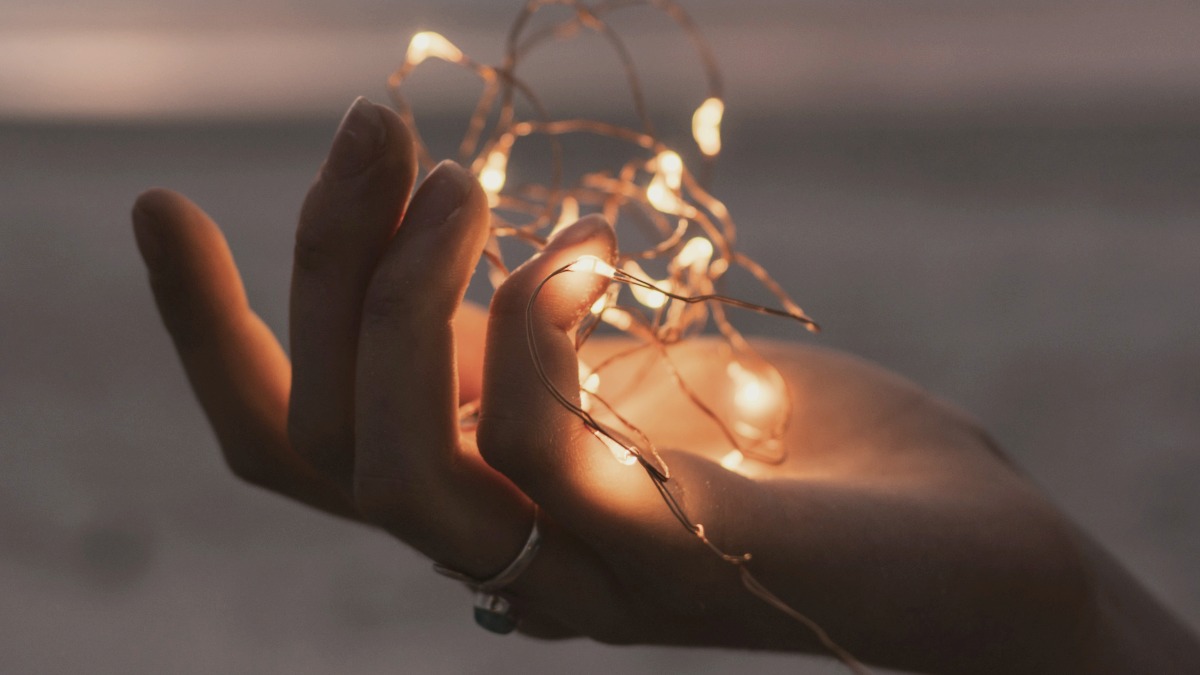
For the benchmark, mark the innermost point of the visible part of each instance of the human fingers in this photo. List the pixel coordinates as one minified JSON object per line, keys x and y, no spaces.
{"x":350,"y":213}
{"x":413,"y":474}
{"x":410,"y":472}
{"x":525,"y":432}
{"x":235,"y":365}
{"x":470,"y":327}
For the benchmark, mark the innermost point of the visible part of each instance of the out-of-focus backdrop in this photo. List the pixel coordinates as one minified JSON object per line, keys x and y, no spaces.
{"x":1000,"y":200}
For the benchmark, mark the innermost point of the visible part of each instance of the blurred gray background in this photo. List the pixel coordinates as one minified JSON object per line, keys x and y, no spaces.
{"x":999,"y":200}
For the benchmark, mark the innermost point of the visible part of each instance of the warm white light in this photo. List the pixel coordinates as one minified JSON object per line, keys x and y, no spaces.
{"x":599,"y":305}
{"x":589,"y":383}
{"x":663,"y":190}
{"x":647,"y":296}
{"x":567,"y":215}
{"x":617,"y":318}
{"x":493,"y":175}
{"x":660,"y":196}
{"x":590,"y":263}
{"x":695,"y":254}
{"x":706,"y":126}
{"x":621,"y":453}
{"x":751,"y":394}
{"x":428,"y":43}
{"x":733,"y":460}
{"x":670,"y":167}
{"x":748,"y":430}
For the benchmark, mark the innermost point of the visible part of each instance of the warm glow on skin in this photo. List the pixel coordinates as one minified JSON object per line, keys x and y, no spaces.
{"x":706,"y":126}
{"x":430,"y":44}
{"x":620,"y":452}
{"x":733,"y":460}
{"x":752,"y":395}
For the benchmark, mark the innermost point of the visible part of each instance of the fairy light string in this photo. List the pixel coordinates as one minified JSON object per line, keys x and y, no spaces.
{"x":694,"y":235}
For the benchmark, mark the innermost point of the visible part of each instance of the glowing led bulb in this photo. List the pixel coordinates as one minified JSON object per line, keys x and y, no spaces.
{"x":617,"y":318}
{"x":589,"y":383}
{"x":660,"y":197}
{"x":493,"y":175}
{"x":752,"y":395}
{"x":428,"y":43}
{"x":567,"y":215}
{"x":695,"y":254}
{"x":599,"y":305}
{"x":670,"y":166}
{"x":706,"y":126}
{"x":733,"y":460}
{"x":647,"y":296}
{"x":590,"y":263}
{"x":662,"y":192}
{"x":621,"y":453}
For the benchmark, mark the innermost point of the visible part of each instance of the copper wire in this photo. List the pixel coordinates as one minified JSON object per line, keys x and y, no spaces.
{"x":688,"y":300}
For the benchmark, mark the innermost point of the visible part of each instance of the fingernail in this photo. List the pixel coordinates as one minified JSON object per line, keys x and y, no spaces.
{"x":446,"y":188}
{"x":585,"y":228}
{"x":360,"y":139}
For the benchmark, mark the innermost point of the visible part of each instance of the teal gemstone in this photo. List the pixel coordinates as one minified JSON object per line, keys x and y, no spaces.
{"x":495,"y":622}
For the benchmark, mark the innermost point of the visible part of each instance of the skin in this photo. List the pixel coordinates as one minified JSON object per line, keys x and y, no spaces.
{"x":894,"y":523}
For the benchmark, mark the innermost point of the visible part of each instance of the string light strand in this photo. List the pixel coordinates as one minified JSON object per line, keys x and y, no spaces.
{"x":691,"y":230}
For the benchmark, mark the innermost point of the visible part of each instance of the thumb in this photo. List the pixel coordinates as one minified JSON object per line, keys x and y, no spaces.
{"x":524,"y":431}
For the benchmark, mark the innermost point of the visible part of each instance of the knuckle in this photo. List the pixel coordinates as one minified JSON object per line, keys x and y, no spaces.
{"x":404,"y":296}
{"x":389,"y":298}
{"x":510,"y":299}
{"x":314,"y":249}
{"x":322,"y":232}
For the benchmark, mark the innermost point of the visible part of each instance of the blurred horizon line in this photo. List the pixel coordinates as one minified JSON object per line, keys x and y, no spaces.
{"x":1018,"y":64}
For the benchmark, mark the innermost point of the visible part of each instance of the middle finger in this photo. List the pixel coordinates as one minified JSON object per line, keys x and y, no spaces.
{"x":348,"y":216}
{"x":411,"y":474}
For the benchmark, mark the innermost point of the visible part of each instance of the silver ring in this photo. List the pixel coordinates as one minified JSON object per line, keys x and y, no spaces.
{"x":492,"y":612}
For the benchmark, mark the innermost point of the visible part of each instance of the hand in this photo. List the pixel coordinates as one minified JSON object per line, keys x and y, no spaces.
{"x":894,"y":523}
